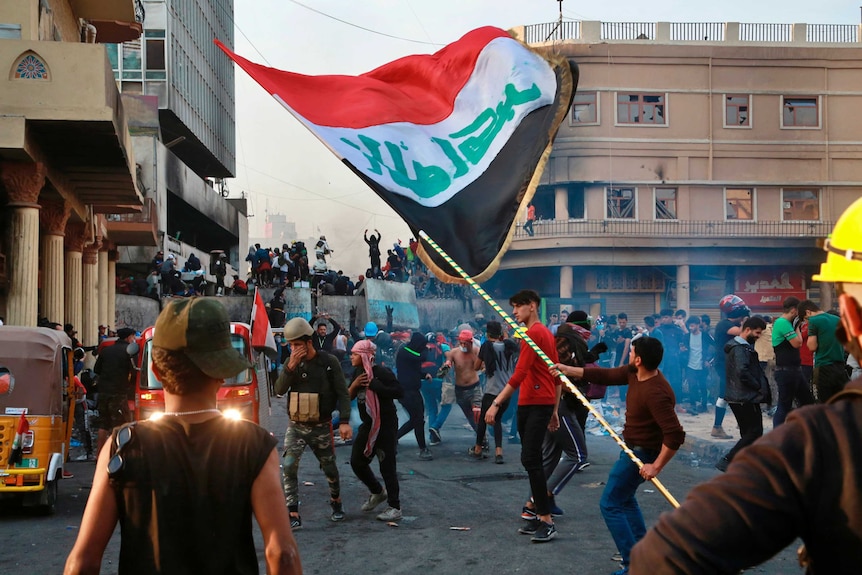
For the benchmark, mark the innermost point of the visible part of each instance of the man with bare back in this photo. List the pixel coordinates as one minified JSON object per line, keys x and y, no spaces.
{"x":468,"y":393}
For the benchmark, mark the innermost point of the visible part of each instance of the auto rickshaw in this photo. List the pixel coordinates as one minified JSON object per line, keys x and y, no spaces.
{"x":41,"y":405}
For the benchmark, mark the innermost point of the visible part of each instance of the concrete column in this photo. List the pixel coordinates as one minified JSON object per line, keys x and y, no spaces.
{"x":591,"y":31}
{"x":683,"y":288}
{"x":731,"y":31}
{"x":561,"y":203}
{"x":89,"y":330}
{"x":826,"y":299}
{"x":53,"y":217}
{"x":662,"y":32}
{"x":799,"y":34}
{"x":75,"y":236}
{"x":103,"y":289}
{"x":566,"y":281}
{"x":23,"y":181}
{"x":113,"y":256}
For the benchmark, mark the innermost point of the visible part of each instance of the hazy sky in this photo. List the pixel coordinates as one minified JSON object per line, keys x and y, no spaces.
{"x":284,"y":169}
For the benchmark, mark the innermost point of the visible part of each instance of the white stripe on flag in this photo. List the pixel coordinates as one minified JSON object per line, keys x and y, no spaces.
{"x":431,"y":163}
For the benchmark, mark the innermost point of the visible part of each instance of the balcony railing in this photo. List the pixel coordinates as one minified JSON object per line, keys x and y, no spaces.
{"x":675,"y":229}
{"x":713,"y":32}
{"x":147,"y":215}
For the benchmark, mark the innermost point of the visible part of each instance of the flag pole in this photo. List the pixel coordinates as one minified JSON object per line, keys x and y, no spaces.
{"x":544,"y":357}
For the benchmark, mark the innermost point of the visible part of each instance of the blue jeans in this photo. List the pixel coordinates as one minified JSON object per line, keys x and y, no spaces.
{"x":618,"y":504}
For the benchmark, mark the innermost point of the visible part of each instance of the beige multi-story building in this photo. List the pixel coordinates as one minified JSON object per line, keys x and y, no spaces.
{"x":697,"y":160}
{"x":66,"y":159}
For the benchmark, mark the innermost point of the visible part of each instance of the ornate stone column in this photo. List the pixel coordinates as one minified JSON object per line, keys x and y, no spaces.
{"x":23,"y":181}
{"x":75,"y":237}
{"x":103,"y":288}
{"x":113,"y":256}
{"x":89,"y":330}
{"x":53,"y":217}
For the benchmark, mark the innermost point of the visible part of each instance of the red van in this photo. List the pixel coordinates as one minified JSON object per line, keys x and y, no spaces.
{"x":241,"y":397}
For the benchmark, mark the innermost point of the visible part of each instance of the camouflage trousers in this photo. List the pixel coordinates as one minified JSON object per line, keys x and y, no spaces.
{"x":317,"y":436}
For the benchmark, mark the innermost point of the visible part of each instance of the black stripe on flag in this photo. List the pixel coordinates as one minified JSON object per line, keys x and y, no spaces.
{"x":475,"y":226}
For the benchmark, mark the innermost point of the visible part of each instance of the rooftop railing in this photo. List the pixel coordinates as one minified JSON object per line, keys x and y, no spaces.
{"x":589,"y":31}
{"x":676,"y":229}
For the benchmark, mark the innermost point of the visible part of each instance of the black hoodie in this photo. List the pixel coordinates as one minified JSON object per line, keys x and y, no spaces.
{"x":408,"y":363}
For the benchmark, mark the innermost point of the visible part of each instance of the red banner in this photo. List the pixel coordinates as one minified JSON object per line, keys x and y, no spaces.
{"x":766,"y":289}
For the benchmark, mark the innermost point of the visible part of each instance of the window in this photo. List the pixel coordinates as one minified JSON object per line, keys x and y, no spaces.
{"x":800,"y":112}
{"x":155,"y":53}
{"x":132,"y":60}
{"x":577,"y":202}
{"x":800,"y":205}
{"x":641,"y":109}
{"x":737,"y":110}
{"x":621,"y":203}
{"x":665,"y":203}
{"x":585,"y":109}
{"x":739,"y":204}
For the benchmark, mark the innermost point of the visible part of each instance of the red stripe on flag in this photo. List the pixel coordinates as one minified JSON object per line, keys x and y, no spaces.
{"x":261,"y":330}
{"x":419,"y":89}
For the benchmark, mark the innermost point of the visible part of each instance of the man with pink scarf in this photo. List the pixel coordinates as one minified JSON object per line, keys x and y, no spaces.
{"x":376,"y":388}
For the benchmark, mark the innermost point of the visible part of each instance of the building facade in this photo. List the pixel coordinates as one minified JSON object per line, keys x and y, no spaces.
{"x":179,"y":90}
{"x":92,"y":178}
{"x":66,"y":159}
{"x":697,"y":160}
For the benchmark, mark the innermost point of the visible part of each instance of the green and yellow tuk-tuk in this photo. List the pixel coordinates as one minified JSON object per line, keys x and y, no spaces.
{"x":41,"y":362}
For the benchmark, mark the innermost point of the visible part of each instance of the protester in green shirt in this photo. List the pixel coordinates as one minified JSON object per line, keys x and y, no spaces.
{"x":791,"y":383}
{"x":830,"y":376}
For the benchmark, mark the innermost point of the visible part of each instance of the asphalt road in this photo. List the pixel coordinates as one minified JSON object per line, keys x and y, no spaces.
{"x":450,"y":491}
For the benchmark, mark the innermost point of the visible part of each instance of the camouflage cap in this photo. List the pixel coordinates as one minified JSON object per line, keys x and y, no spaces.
{"x":200,"y":328}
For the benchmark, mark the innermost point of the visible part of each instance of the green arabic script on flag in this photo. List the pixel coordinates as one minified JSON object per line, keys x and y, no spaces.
{"x":428,"y":181}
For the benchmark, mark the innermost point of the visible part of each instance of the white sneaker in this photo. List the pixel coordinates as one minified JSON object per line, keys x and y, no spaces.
{"x":391,"y":514}
{"x":374,"y":501}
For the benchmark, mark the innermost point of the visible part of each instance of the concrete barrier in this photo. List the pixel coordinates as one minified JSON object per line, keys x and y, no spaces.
{"x":135,"y":312}
{"x":408,"y":312}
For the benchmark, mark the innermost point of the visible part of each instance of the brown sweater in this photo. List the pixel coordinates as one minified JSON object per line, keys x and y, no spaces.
{"x":650,"y":417}
{"x":799,"y":481}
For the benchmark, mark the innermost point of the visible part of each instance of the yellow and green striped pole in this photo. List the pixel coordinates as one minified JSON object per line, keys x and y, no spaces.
{"x":544,"y":357}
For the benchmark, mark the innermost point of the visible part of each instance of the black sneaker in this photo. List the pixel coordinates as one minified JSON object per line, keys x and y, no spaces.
{"x":337,"y":511}
{"x":528,"y":514}
{"x":531,"y":527}
{"x":434,"y":436}
{"x":722,"y":464}
{"x":544,"y":533}
{"x":580,"y":466}
{"x":295,"y":522}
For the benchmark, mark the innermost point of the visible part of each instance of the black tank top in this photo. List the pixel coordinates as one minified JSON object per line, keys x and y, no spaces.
{"x":184,"y":496}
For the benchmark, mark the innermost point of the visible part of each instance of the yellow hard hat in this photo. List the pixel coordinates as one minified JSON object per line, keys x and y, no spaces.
{"x":844,"y":248}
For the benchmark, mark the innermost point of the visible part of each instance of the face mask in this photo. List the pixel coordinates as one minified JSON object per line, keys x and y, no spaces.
{"x":463,"y":348}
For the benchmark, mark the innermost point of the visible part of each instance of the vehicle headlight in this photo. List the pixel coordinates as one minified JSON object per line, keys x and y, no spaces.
{"x":233,"y":414}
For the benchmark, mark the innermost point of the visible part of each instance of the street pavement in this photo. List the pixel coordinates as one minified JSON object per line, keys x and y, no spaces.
{"x":480,"y":498}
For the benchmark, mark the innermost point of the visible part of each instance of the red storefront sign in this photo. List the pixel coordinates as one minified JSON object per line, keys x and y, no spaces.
{"x":766,"y":289}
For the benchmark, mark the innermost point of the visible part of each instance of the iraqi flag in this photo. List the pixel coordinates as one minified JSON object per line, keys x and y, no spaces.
{"x":455,"y":142}
{"x":261,"y":329}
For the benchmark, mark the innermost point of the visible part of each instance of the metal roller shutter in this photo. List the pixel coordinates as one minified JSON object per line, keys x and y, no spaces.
{"x":635,"y":305}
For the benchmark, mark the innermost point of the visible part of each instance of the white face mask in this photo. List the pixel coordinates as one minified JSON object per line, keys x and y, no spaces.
{"x":464,"y":348}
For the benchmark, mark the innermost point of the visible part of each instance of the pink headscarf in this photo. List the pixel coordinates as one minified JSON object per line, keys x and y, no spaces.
{"x":366,"y":349}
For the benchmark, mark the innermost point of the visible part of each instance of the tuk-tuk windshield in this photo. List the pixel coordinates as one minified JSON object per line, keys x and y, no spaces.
{"x":242,"y":378}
